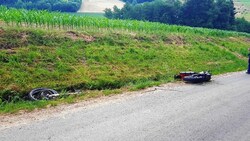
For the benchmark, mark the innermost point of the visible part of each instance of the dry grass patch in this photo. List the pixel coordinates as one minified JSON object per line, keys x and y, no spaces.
{"x":76,"y":36}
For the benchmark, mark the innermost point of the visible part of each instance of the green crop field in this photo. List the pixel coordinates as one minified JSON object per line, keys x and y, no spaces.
{"x":243,"y":9}
{"x":100,"y":15}
{"x":101,"y":56}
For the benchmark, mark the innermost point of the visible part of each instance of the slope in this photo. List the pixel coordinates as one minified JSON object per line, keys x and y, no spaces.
{"x":101,"y":54}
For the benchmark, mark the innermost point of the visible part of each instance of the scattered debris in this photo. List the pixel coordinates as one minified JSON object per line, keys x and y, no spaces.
{"x":194,"y":77}
{"x":181,"y":75}
{"x":42,"y":93}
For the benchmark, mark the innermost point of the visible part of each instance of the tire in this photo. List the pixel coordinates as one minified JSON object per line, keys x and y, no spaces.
{"x":197,"y":78}
{"x":41,"y":93}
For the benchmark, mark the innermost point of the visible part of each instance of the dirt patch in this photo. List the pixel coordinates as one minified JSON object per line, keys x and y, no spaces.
{"x":247,"y":40}
{"x":24,"y":37}
{"x":239,"y":39}
{"x":175,"y":40}
{"x":1,"y":31}
{"x":98,"y":6}
{"x":75,"y":36}
{"x":6,"y":46}
{"x":13,"y":40}
{"x":11,"y":51}
{"x":234,"y":39}
{"x":204,"y":39}
{"x":143,"y":38}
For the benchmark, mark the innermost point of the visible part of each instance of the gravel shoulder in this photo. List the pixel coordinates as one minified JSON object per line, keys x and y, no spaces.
{"x":23,"y":117}
{"x":217,"y":110}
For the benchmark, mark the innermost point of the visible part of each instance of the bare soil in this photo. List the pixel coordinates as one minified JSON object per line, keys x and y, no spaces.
{"x":75,"y":36}
{"x":175,"y":39}
{"x":1,"y":31}
{"x":98,"y":6}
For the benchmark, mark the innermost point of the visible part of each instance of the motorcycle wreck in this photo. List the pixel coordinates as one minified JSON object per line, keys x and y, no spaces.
{"x":194,"y":77}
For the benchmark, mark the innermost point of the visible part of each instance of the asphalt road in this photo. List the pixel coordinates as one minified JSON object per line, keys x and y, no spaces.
{"x":218,"y":110}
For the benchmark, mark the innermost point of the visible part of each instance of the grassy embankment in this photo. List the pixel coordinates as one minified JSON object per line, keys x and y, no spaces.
{"x":107,"y":60}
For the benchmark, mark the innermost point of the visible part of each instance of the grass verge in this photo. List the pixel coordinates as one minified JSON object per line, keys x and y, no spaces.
{"x":105,"y":62}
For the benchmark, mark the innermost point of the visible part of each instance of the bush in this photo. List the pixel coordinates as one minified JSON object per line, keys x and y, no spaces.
{"x":242,"y":25}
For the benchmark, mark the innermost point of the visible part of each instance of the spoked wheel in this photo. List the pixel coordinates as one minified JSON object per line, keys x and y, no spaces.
{"x":42,"y":94}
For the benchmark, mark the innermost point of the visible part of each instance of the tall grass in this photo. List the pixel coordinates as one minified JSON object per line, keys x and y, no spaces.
{"x":113,"y":60}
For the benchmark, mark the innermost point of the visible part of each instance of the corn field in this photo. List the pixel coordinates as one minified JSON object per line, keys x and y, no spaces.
{"x":57,"y":20}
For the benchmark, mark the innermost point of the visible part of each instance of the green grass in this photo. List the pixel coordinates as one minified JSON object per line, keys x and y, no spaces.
{"x":101,"y":60}
{"x":247,"y":16}
{"x":110,"y":62}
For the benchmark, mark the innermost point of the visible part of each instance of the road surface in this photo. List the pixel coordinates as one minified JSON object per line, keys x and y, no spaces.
{"x":218,"y":110}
